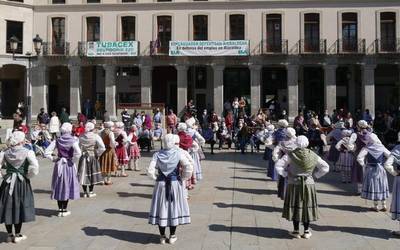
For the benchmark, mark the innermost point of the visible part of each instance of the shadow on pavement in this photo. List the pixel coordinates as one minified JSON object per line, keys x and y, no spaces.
{"x":336,"y":192}
{"x":126,"y":195}
{"x":369,"y":232}
{"x":141,"y":185}
{"x":3,"y":237}
{"x":349,"y":208}
{"x":134,"y":237}
{"x":41,"y":191}
{"x":248,"y":190}
{"x":250,"y":207}
{"x":259,"y":231}
{"x":143,"y":215}
{"x":45,"y":212}
{"x":251,"y":178}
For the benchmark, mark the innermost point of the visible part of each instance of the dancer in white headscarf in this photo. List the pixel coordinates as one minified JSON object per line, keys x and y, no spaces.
{"x":346,"y":158}
{"x":375,"y":184}
{"x":16,"y":196}
{"x":169,"y":207}
{"x":65,"y":184}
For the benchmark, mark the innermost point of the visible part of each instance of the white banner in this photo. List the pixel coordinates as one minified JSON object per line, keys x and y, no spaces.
{"x":209,"y":48}
{"x":109,"y":48}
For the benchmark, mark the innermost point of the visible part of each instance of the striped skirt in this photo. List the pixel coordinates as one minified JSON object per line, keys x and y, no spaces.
{"x":300,"y":203}
{"x":65,"y":185}
{"x":164,"y":212}
{"x":108,"y":161}
{"x":375,"y":184}
{"x":395,"y":206}
{"x":197,"y":166}
{"x":89,"y":172}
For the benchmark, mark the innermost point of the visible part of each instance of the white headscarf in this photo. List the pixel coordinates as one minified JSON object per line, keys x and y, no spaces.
{"x":17,"y":137}
{"x":291,"y":133}
{"x":66,"y":128}
{"x":283,"y":123}
{"x":89,"y":126}
{"x":190,"y":122}
{"x":119,"y":124}
{"x":108,"y":124}
{"x":182,"y":126}
{"x":169,"y":141}
{"x":302,"y":141}
{"x":362,"y":124}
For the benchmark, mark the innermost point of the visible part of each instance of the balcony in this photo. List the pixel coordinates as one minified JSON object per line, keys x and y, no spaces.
{"x":56,"y":49}
{"x":350,"y":46}
{"x":82,"y":49}
{"x":387,"y":46}
{"x":274,"y":47}
{"x":312,"y":46}
{"x":158,"y":48}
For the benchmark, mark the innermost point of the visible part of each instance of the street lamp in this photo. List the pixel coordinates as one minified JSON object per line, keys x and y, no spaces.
{"x":37,"y":45}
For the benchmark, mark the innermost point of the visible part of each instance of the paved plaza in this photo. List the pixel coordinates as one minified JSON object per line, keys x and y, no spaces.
{"x":234,"y":207}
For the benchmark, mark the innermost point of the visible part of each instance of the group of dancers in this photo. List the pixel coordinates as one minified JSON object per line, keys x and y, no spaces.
{"x":176,"y":168}
{"x":358,"y":154}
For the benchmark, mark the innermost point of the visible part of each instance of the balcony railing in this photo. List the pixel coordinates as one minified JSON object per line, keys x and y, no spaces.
{"x":387,"y":46}
{"x":312,"y":46}
{"x":274,"y":47}
{"x":54,"y":49}
{"x":82,"y":48}
{"x":350,"y":46}
{"x":158,"y":48}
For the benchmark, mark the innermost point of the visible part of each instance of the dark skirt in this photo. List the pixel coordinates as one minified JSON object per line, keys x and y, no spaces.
{"x":18,"y":207}
{"x":281,"y":187}
{"x":89,"y":171}
{"x":333,"y":154}
{"x":301,"y":205}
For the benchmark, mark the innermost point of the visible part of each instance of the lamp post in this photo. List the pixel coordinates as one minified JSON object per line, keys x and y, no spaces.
{"x":37,"y":45}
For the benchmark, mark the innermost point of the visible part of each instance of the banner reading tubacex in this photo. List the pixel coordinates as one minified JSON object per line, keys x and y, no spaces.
{"x":209,"y":48}
{"x":109,"y":48}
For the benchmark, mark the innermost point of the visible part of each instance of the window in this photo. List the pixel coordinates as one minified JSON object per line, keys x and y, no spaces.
{"x":93,"y":29}
{"x":200,"y":28}
{"x":128,"y":28}
{"x":164,"y":33}
{"x":164,"y":0}
{"x":58,"y":1}
{"x":15,"y":29}
{"x":128,"y":1}
{"x":388,"y":31}
{"x":58,"y":35}
{"x":349,"y":32}
{"x":93,"y":1}
{"x":21,"y":1}
{"x":274,"y":33}
{"x":236,"y":27}
{"x":311,"y":32}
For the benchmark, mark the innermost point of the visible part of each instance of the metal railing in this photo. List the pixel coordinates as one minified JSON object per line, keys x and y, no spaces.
{"x":387,"y":46}
{"x":312,"y":46}
{"x":157,"y":48}
{"x":60,"y":49}
{"x":274,"y":47}
{"x":350,"y":46}
{"x":82,"y":48}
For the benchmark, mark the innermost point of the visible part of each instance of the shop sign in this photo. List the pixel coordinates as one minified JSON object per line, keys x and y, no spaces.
{"x":109,"y":48}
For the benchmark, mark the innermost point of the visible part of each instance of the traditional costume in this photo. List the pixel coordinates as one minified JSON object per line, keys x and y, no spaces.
{"x":301,"y":197}
{"x":198,"y":142}
{"x":108,"y":160}
{"x":185,"y":143}
{"x":65,"y":184}
{"x":346,"y":158}
{"x":89,"y":171}
{"x":16,"y":197}
{"x":122,"y":154}
{"x":283,"y":148}
{"x":375,"y":184}
{"x":169,"y":206}
{"x":334,"y":137}
{"x":392,"y":165}
{"x":268,"y":140}
{"x":134,"y":151}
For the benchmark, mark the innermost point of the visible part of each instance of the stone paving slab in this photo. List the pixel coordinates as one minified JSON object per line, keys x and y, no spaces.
{"x":234,"y":207}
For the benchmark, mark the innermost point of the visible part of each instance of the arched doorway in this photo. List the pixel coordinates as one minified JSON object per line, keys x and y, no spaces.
{"x":59,"y":89}
{"x":12,"y":81}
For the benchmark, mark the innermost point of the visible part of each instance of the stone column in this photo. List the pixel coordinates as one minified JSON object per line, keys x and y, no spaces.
{"x":111,"y":90}
{"x":255,"y":87}
{"x":145,"y":83}
{"x":75,"y":82}
{"x":330,"y":87}
{"x":218,"y":89}
{"x":182,"y":86}
{"x":40,"y":79}
{"x":368,"y":88}
{"x":293,"y":90}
